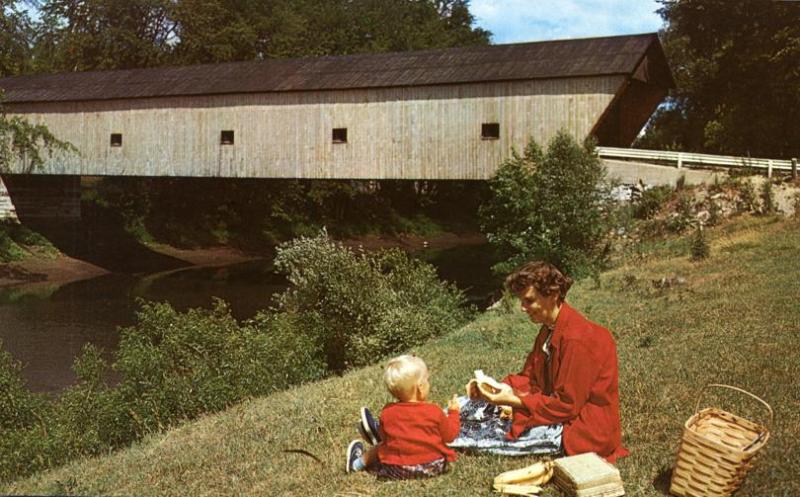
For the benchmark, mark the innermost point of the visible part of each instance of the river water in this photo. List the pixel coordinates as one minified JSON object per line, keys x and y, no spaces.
{"x":45,"y":327}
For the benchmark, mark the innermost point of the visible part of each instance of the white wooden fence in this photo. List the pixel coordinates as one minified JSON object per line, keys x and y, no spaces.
{"x":682,"y":159}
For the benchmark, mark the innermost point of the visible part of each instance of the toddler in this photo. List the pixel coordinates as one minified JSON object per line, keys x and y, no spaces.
{"x":410,"y":440}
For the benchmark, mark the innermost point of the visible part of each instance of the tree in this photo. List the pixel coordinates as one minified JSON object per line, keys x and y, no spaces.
{"x":738,"y":88}
{"x":83,"y":35}
{"x":549,"y":207}
{"x":18,"y":137}
{"x":227,"y":30}
{"x":16,"y":38}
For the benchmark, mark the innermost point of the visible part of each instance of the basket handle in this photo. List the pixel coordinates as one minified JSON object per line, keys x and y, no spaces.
{"x":700,"y":396}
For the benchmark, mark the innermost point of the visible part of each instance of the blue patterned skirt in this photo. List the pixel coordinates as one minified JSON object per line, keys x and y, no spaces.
{"x":482,"y":430}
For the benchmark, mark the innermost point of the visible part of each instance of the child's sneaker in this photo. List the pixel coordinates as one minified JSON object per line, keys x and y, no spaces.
{"x":354,"y":452}
{"x":368,"y":428}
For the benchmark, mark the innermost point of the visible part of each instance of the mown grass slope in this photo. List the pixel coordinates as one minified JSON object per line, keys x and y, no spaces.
{"x":735,"y":320}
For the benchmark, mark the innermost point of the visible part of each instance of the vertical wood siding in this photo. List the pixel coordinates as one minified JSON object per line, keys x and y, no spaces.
{"x":429,"y":132}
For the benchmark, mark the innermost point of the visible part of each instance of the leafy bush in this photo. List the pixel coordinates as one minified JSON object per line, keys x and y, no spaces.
{"x":549,"y":206}
{"x":175,"y":366}
{"x":652,"y":201}
{"x":22,"y":422}
{"x":796,"y":205}
{"x":9,"y":250}
{"x":14,"y":237}
{"x":768,"y":205}
{"x":365,"y":305}
{"x":699,"y":245}
{"x":714,"y":213}
{"x":18,"y":407}
{"x":683,"y":217}
{"x":747,"y":197}
{"x":343,"y":310}
{"x":172,"y":366}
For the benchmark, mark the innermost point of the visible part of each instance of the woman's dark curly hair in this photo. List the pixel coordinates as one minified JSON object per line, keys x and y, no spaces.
{"x":543,"y":276}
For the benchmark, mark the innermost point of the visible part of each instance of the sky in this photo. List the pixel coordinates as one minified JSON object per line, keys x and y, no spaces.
{"x":512,"y":21}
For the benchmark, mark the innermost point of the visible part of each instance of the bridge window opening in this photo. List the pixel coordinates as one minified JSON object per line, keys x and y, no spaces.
{"x":116,"y":139}
{"x":339,"y":135}
{"x":490,"y":131}
{"x":226,"y":137}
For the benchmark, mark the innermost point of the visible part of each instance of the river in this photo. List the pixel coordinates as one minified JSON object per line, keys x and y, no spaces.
{"x":45,"y":327}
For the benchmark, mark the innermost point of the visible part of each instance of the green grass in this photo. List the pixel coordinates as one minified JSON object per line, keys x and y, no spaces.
{"x":736,"y":320}
{"x":18,"y":241}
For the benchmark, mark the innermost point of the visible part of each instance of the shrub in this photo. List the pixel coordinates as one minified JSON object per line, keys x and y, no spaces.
{"x":9,"y":250}
{"x":796,"y":205}
{"x":680,"y":183}
{"x":18,"y":407}
{"x":747,"y":197}
{"x":714,"y":213}
{"x":768,"y":205}
{"x":364,"y":306}
{"x":549,"y":206}
{"x":683,"y":217}
{"x":172,"y":366}
{"x":175,"y":366}
{"x":652,"y":201}
{"x":23,"y":423}
{"x":342,"y":310}
{"x":699,"y":245}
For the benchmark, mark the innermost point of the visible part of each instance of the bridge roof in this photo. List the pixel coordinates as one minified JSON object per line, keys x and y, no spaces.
{"x":476,"y":64}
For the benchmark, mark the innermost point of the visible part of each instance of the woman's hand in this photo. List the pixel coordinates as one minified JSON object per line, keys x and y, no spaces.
{"x":504,"y":397}
{"x":472,"y":390}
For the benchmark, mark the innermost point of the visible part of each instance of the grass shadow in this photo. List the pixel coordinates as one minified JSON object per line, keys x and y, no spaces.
{"x":662,"y":480}
{"x":99,"y":238}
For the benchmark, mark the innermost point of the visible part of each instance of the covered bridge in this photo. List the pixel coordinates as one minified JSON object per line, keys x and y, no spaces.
{"x":435,"y":114}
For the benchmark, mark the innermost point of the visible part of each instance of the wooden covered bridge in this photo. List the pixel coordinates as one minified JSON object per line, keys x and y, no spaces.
{"x":435,"y":114}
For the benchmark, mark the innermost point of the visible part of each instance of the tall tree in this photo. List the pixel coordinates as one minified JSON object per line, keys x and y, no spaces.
{"x":16,"y":38}
{"x":117,"y":34}
{"x":223,"y":30}
{"x":81,"y":35}
{"x":737,"y":69}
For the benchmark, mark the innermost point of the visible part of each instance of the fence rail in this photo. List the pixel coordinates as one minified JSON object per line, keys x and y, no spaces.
{"x":686,"y":158}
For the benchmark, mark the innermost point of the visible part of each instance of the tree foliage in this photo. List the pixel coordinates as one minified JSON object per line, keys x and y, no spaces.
{"x":16,"y":39}
{"x":373,"y":305}
{"x":23,"y":140}
{"x":736,"y":66}
{"x":81,"y":35}
{"x":548,"y":206}
{"x":77,"y":35}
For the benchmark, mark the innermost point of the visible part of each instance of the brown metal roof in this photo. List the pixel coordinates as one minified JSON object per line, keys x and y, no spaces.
{"x":519,"y":61}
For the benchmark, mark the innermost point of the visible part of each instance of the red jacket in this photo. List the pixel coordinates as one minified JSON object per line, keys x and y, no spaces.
{"x":416,"y":433}
{"x":584,"y":393}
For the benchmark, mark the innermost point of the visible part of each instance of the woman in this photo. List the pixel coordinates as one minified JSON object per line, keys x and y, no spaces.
{"x":570,"y":376}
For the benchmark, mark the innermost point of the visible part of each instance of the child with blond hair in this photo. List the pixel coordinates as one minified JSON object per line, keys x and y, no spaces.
{"x":410,"y":440}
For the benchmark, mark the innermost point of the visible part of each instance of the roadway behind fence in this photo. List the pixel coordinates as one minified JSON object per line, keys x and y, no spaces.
{"x":682,"y":159}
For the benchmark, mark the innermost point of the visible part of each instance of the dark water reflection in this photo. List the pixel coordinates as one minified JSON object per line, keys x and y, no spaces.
{"x":45,"y":327}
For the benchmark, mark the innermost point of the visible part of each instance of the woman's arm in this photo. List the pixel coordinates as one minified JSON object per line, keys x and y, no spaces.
{"x":577,"y":374}
{"x":504,"y":398}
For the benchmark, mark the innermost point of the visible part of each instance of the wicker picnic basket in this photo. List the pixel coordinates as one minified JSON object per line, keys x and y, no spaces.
{"x":717,"y":449}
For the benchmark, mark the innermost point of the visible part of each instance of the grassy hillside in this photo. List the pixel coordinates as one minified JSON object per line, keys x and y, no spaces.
{"x":735,"y":320}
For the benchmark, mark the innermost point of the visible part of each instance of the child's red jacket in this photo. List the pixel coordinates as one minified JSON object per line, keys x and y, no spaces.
{"x":584,"y":393}
{"x":416,"y":433}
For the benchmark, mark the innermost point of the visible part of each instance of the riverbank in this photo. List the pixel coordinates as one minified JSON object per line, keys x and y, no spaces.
{"x":671,"y":341}
{"x":60,"y":269}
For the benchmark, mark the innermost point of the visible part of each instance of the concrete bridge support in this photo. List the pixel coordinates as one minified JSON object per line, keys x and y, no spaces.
{"x":7,"y":209}
{"x":630,"y":173}
{"x":40,"y":197}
